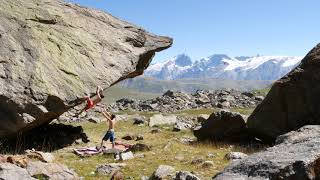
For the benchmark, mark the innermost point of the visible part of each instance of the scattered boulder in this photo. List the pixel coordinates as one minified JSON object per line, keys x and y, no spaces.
{"x":185,"y":175}
{"x":180,"y":126}
{"x":118,"y":175}
{"x":292,"y":102}
{"x":107,"y":169}
{"x":207,"y":164}
{"x":224,"y":104}
{"x":197,"y":160}
{"x":50,"y":170}
{"x":126,"y":156}
{"x":122,"y":117}
{"x":129,"y":137}
{"x":202,"y":118}
{"x":139,"y":147}
{"x":139,"y":120}
{"x":259,"y":98}
{"x":295,"y":156}
{"x":223,"y":126}
{"x":163,"y":172}
{"x":159,"y":119}
{"x":235,"y":155}
{"x":139,"y":137}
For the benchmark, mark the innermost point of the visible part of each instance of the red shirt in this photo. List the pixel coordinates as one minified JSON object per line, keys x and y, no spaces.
{"x":89,"y":104}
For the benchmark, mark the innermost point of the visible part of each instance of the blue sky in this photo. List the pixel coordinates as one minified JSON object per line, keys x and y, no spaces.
{"x":235,"y":27}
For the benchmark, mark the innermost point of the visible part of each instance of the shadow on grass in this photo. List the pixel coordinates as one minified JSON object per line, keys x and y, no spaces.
{"x":46,"y":138}
{"x":247,"y":147}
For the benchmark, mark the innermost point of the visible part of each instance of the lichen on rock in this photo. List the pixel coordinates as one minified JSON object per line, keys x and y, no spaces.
{"x":53,"y":52}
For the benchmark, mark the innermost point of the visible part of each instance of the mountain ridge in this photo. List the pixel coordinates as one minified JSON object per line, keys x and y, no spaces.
{"x":223,"y":66}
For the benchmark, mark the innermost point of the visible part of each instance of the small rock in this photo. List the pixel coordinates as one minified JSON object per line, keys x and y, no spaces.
{"x":167,"y":146}
{"x":202,"y":118}
{"x":259,"y":98}
{"x":122,"y":117}
{"x":180,"y":126}
{"x":159,"y":119}
{"x":78,"y":141}
{"x":187,"y":140}
{"x":126,"y":156}
{"x":140,"y":147}
{"x":139,"y":138}
{"x":162,"y":172}
{"x":185,"y":175}
{"x":197,"y":160}
{"x":109,"y":168}
{"x":154,"y":131}
{"x":249,"y":94}
{"x":211,"y":155}
{"x":179,"y":158}
{"x":144,"y":178}
{"x":139,"y":120}
{"x":139,"y":156}
{"x":117,"y":175}
{"x":225,"y":104}
{"x":235,"y":156}
{"x":207,"y":164}
{"x":129,"y":137}
{"x":63,"y":119}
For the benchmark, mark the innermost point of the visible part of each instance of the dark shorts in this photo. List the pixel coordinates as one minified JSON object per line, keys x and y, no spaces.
{"x":109,"y":135}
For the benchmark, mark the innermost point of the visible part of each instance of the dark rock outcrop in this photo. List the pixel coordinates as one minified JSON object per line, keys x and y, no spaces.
{"x":292,"y":102}
{"x":223,"y":126}
{"x":53,"y":52}
{"x":295,"y":156}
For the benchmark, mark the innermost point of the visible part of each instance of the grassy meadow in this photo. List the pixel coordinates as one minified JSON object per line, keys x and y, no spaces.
{"x":166,"y":149}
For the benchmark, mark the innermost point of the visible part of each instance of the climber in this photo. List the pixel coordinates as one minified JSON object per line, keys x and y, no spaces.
{"x":92,"y":102}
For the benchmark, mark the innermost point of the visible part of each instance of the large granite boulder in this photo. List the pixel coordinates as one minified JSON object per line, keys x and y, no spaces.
{"x":295,"y":156}
{"x":292,"y":102}
{"x":223,"y":126}
{"x":53,"y":52}
{"x":50,"y":171}
{"x":12,"y":172}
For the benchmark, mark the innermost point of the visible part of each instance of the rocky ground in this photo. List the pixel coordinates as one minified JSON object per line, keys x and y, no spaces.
{"x":165,"y":142}
{"x":174,"y":101}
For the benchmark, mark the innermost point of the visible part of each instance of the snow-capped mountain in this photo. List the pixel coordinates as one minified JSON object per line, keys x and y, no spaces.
{"x":170,"y":69}
{"x":224,"y":67}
